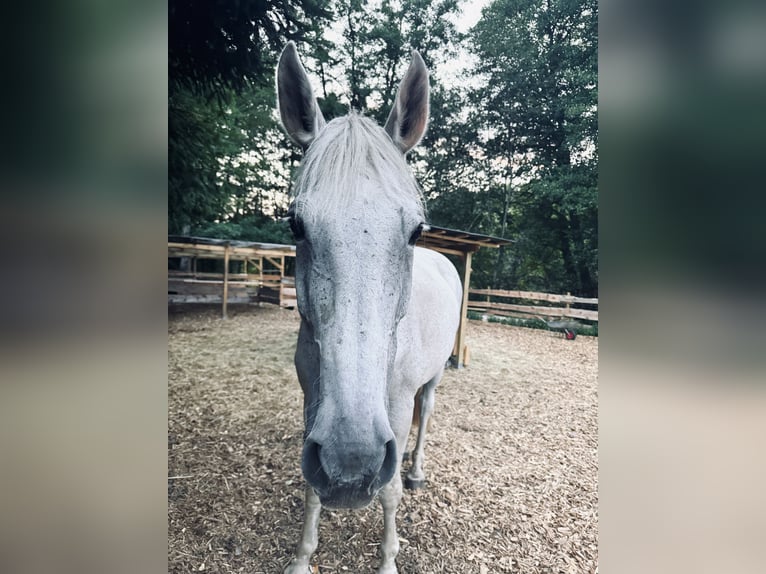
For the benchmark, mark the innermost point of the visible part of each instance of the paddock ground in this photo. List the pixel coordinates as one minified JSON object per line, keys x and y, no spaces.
{"x":511,"y":458}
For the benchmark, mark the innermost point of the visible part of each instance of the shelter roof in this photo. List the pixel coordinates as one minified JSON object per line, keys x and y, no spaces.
{"x":187,"y":246}
{"x":438,"y":238}
{"x":458,"y":242}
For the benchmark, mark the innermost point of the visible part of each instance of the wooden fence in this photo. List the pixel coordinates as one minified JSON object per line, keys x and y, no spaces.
{"x":195,"y":287}
{"x":525,"y":304}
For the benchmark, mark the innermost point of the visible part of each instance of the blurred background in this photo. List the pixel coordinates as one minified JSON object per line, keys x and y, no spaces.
{"x":83,"y":180}
{"x":682,"y":252}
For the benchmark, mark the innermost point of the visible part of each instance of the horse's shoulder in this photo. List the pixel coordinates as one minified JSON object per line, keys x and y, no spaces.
{"x":432,"y":266}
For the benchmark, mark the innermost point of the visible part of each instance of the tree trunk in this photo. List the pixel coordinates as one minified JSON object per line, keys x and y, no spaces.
{"x":570,"y":266}
{"x":588,"y":287}
{"x":501,"y":249}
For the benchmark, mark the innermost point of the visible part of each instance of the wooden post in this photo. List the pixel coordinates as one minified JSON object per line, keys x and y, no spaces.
{"x":460,"y":358}
{"x":225,"y":279}
{"x":260,"y":279}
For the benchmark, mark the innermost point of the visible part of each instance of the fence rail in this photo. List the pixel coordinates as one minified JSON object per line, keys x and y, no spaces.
{"x":485,"y":301}
{"x":187,"y":287}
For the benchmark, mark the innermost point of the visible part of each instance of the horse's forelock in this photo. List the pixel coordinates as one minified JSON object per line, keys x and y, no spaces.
{"x":349,"y":149}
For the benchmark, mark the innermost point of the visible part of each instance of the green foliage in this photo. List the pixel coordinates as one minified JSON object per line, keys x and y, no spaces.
{"x":215,"y":45}
{"x":251,"y":228}
{"x":227,"y":156}
{"x":226,"y":162}
{"x":194,"y":141}
{"x":537,"y":115}
{"x":378,"y":43}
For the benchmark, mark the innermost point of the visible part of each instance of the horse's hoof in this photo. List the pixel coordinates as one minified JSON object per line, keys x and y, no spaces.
{"x":299,"y":569}
{"x":406,"y":456}
{"x":414,"y":483}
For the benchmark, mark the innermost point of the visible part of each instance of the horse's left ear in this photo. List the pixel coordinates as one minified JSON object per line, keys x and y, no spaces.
{"x":407,"y":121}
{"x":298,"y":107}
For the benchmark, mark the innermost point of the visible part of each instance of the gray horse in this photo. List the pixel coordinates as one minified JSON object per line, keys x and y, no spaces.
{"x":378,"y":315}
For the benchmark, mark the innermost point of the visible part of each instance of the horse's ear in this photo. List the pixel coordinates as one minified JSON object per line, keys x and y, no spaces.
{"x":407,"y":121}
{"x":298,"y":108}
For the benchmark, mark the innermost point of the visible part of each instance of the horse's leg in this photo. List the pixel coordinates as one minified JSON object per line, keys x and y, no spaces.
{"x":415,"y":423}
{"x":309,"y":536}
{"x":416,"y":478}
{"x":389,"y":548}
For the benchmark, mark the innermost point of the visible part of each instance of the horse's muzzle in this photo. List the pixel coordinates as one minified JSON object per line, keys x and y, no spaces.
{"x":348,"y":478}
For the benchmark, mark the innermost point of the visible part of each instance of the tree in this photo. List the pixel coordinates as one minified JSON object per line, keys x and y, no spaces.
{"x":375,"y":52}
{"x":218,"y":44}
{"x":378,"y":42}
{"x":221,"y":57}
{"x":194,"y":144}
{"x":539,"y":61}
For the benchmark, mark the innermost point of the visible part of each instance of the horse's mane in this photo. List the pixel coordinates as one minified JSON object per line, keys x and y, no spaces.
{"x":347,"y":150}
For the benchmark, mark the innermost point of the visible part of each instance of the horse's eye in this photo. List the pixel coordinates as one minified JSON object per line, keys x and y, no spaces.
{"x":296,"y":226}
{"x":416,"y":235}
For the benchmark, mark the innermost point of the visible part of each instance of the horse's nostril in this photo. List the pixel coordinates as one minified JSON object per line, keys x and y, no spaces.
{"x":312,"y":465}
{"x":387,"y":470}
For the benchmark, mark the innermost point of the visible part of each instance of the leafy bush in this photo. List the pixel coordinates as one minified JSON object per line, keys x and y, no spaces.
{"x":252,"y":228}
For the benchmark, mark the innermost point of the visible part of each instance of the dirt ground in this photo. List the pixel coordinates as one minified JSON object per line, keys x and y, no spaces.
{"x":511,"y":459}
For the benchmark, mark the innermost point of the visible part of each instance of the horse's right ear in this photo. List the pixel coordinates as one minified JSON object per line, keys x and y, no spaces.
{"x":407,"y":121}
{"x":298,"y":108}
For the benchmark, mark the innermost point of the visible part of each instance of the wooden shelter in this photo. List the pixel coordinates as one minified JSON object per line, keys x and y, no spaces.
{"x":462,"y":244}
{"x":260,"y":276}
{"x":261,"y":273}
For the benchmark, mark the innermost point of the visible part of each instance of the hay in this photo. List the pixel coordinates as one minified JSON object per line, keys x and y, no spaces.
{"x":511,"y":460}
